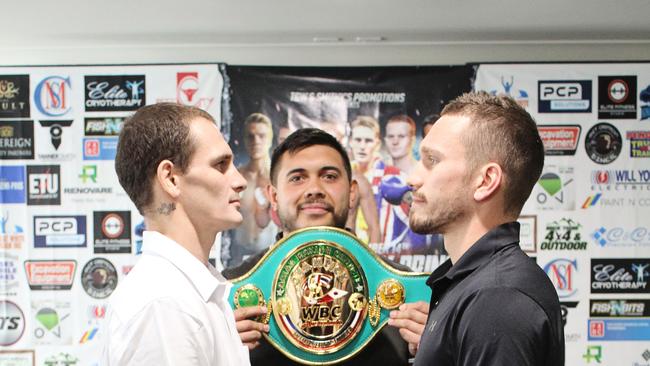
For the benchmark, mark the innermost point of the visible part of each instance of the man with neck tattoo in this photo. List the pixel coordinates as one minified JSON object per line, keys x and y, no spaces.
{"x":173,"y":309}
{"x":312,"y":185}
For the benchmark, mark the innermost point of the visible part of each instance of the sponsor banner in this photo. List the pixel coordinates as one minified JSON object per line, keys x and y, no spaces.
{"x":112,"y":231}
{"x":12,"y":184}
{"x":629,"y":275}
{"x":563,"y":273}
{"x":555,"y":189}
{"x":12,"y":326}
{"x":193,"y":88}
{"x":621,"y":237}
{"x":59,"y":231}
{"x":43,"y":185}
{"x":14,"y":96}
{"x":9,"y":281}
{"x":99,"y":278}
{"x":564,"y":234}
{"x":108,"y":93}
{"x":103,"y":126}
{"x":620,"y":180}
{"x":89,"y":178}
{"x":52,"y":322}
{"x":55,"y":130}
{"x":623,"y":308}
{"x":603,"y":143}
{"x":639,"y":144}
{"x":619,"y":329}
{"x":564,"y":96}
{"x":604,"y":200}
{"x":17,"y":358}
{"x":560,"y":139}
{"x":617,"y":97}
{"x":50,"y":274}
{"x":52,"y":96}
{"x":99,"y":148}
{"x":16,"y":140}
{"x":12,"y":235}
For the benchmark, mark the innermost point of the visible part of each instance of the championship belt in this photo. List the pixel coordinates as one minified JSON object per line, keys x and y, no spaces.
{"x":327,"y":294}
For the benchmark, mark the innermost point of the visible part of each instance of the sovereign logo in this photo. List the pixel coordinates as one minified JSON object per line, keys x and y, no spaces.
{"x":16,"y":140}
{"x":564,"y":96}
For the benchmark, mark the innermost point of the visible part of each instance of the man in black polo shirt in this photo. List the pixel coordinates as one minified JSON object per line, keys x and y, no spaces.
{"x":491,"y":304}
{"x":312,"y":185}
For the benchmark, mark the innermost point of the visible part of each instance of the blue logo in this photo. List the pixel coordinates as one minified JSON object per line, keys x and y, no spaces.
{"x":59,"y":231}
{"x":619,"y":329}
{"x":12,"y":184}
{"x":622,"y":237}
{"x":520,"y":95}
{"x":561,"y":271}
{"x":99,"y":148}
{"x":52,"y":95}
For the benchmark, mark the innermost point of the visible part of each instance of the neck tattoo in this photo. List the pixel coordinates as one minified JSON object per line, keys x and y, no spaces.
{"x":166,"y":208}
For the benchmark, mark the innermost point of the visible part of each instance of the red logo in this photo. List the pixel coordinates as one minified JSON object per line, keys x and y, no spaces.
{"x":50,"y":275}
{"x":601,"y":177}
{"x":597,"y":328}
{"x":91,"y":148}
{"x":559,"y":140}
{"x":187,"y":84}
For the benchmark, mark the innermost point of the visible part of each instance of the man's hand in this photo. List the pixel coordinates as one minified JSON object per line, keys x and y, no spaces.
{"x":249,"y":330}
{"x":410,"y":319}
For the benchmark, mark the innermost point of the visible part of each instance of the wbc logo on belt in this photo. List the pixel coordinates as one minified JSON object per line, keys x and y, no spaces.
{"x":320,"y":295}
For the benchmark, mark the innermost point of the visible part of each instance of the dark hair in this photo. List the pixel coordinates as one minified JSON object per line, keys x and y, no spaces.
{"x":154,"y":133}
{"x":503,"y":132}
{"x":302,"y":139}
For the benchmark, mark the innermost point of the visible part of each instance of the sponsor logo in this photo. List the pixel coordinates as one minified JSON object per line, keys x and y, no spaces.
{"x":62,"y":358}
{"x":14,"y":96}
{"x":103,"y":126}
{"x":12,"y":236}
{"x":112,"y":231}
{"x":564,"y":309}
{"x":59,"y":231}
{"x":528,"y":233}
{"x":619,"y":329}
{"x":88,"y":177}
{"x":12,"y":184}
{"x":52,"y":96}
{"x":563,"y":235}
{"x":16,"y":140}
{"x":644,"y":96}
{"x":188,"y":91}
{"x":620,"y":180}
{"x":8,"y":274}
{"x":592,"y":200}
{"x":43,"y":185}
{"x":555,"y":189}
{"x":559,"y":140}
{"x":620,"y":275}
{"x":139,"y":230}
{"x":639,"y":144}
{"x":593,"y":353}
{"x":50,"y":275}
{"x":99,"y":278}
{"x":99,"y":148}
{"x":17,"y":358}
{"x":89,"y":335}
{"x":620,"y":237}
{"x":619,"y":308}
{"x":51,"y":324}
{"x":617,"y":97}
{"x":520,"y":95}
{"x":56,"y":136}
{"x":603,"y":143}
{"x":564,"y":96}
{"x":12,"y":323}
{"x":114,"y":93}
{"x":561,"y":271}
{"x":599,"y":199}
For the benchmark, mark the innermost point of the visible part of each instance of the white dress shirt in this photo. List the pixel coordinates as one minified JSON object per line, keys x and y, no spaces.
{"x":172,"y":310}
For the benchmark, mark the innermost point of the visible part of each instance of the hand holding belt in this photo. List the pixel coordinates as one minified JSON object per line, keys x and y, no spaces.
{"x":327,"y":293}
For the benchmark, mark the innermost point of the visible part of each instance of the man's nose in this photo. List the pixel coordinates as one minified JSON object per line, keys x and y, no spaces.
{"x":315,"y":189}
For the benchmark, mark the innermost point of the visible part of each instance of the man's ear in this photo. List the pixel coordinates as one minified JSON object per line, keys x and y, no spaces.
{"x":487,"y":182}
{"x":168,"y":179}
{"x":354,"y":192}
{"x":272,"y":194}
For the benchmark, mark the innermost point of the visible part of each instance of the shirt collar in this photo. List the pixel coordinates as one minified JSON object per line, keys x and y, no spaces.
{"x":479,"y":253}
{"x":207,"y":280}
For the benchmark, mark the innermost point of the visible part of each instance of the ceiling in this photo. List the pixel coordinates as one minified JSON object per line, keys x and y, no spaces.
{"x":32,"y":24}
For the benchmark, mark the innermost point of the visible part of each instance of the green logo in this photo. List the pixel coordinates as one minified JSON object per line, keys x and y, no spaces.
{"x":88,"y":172}
{"x":551,"y":183}
{"x":594,"y":353}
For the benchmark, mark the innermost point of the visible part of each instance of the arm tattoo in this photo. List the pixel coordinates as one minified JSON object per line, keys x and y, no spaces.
{"x":166,"y":208}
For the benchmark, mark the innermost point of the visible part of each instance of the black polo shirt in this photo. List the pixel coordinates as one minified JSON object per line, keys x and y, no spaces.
{"x":495,"y":306}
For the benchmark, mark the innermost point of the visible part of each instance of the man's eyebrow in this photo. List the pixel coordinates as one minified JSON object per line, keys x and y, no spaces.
{"x":225,"y":156}
{"x":331,"y":168}
{"x":429,"y":151}
{"x":296,"y":170}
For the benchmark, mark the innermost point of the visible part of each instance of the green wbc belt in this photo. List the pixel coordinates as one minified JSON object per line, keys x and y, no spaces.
{"x":327,"y":292}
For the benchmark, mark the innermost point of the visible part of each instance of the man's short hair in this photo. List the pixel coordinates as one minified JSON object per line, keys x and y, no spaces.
{"x":302,"y":139}
{"x":367,"y":121}
{"x":154,"y":133}
{"x":405,"y":119}
{"x":503,"y":132}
